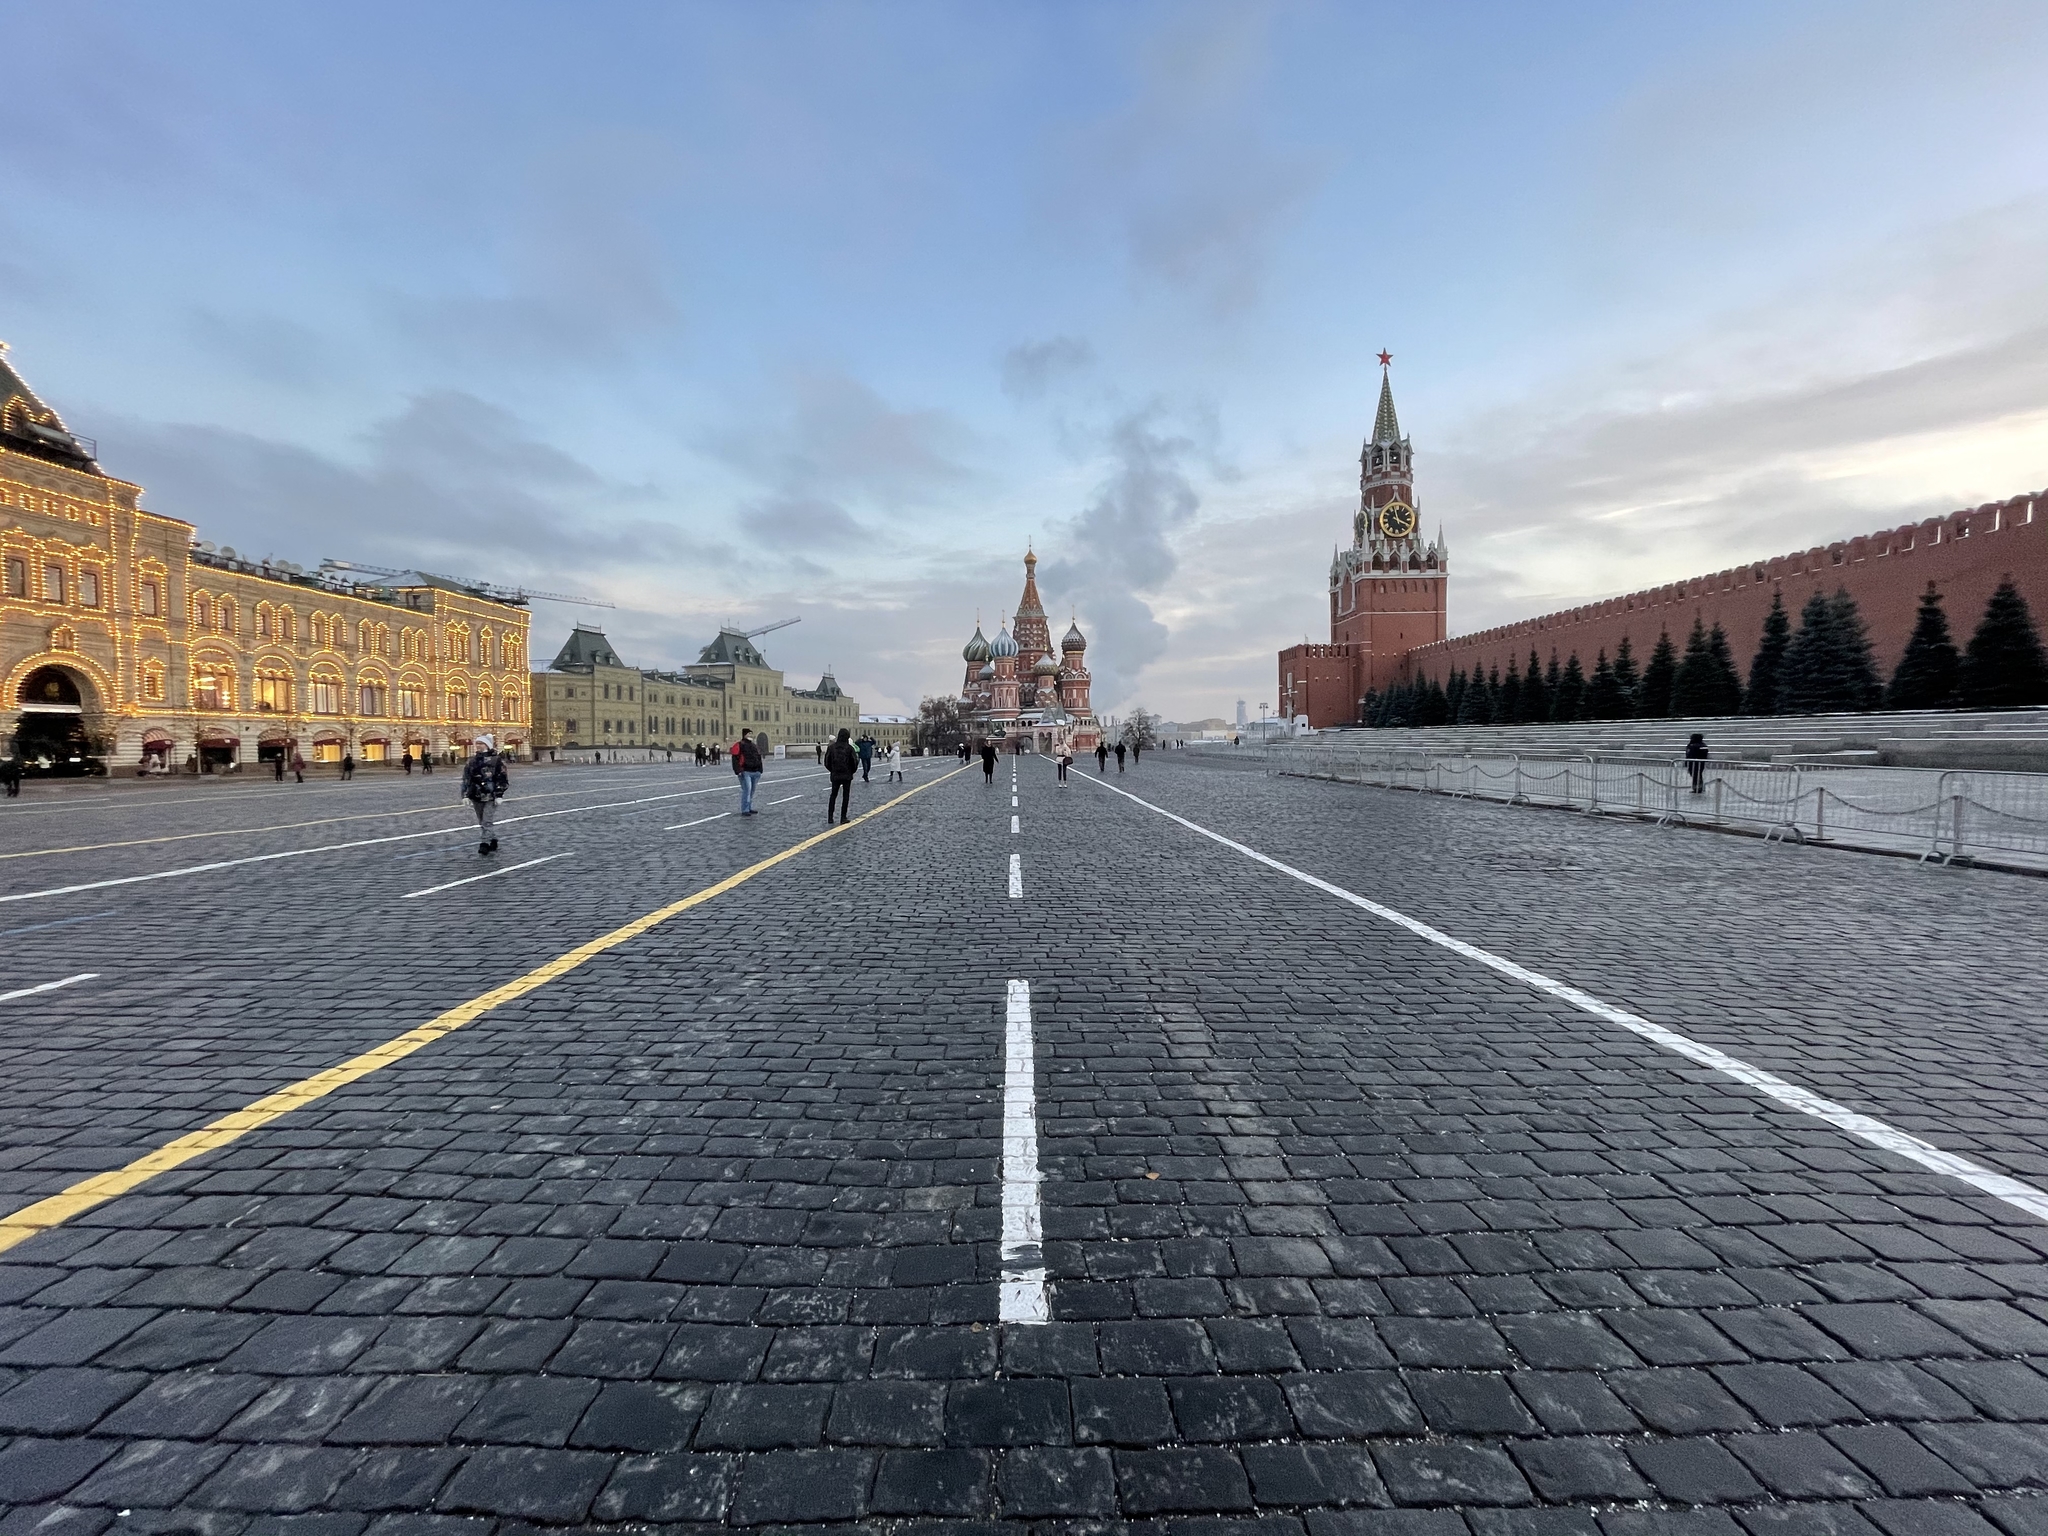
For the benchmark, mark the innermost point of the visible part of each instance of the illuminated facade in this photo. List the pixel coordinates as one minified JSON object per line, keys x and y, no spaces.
{"x":122,"y":638}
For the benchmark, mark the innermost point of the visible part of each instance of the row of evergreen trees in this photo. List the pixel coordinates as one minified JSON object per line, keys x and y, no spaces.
{"x":1825,"y":666}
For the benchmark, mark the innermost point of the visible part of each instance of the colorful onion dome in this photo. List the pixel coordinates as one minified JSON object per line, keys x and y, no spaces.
{"x":1047,"y":666}
{"x":975,"y":649}
{"x":1003,"y":644}
{"x":1074,"y":640}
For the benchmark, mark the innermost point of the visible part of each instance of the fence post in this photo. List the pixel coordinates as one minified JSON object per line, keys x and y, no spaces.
{"x":1516,"y":797}
{"x":1717,"y":799}
{"x":1820,"y":811}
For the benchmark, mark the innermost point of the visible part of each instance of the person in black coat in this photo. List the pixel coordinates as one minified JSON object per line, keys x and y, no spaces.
{"x":840,"y":761}
{"x":1696,"y":762}
{"x":988,"y":762}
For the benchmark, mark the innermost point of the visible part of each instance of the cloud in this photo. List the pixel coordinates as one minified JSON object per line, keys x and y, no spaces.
{"x":449,"y":482}
{"x":1121,"y":547}
{"x":1187,"y":169}
{"x":809,"y":521}
{"x":835,"y":437}
{"x":1032,"y":368}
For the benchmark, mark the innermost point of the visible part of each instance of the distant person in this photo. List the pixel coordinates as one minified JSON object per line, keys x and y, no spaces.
{"x":963,"y":751}
{"x":1696,"y":762}
{"x":348,"y":766}
{"x":277,"y":767}
{"x":988,"y":762}
{"x":821,"y":751}
{"x":484,"y":782}
{"x":1102,"y":757}
{"x":405,"y":757}
{"x":10,"y":775}
{"x":867,"y":755}
{"x":1119,"y":757}
{"x":1136,"y":748}
{"x":895,"y":762}
{"x":1063,"y":753}
{"x":298,"y":766}
{"x":840,"y":761}
{"x":746,"y":763}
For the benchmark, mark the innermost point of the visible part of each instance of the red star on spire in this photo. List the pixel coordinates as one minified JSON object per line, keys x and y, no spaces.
{"x":1386,"y":359}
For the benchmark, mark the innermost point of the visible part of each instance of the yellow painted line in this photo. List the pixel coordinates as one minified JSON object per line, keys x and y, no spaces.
{"x":102,"y":1187}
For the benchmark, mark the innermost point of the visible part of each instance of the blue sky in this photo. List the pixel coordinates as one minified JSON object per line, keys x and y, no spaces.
{"x":744,"y":311}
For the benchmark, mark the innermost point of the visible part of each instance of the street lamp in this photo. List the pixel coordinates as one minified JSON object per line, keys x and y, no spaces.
{"x":1263,"y":707}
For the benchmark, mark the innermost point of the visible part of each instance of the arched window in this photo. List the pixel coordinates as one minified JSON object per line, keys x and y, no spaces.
{"x":263,"y":621}
{"x":202,"y":611}
{"x":213,"y":686}
{"x":458,"y":702}
{"x":483,"y":648}
{"x":319,"y":629}
{"x":227,"y":616}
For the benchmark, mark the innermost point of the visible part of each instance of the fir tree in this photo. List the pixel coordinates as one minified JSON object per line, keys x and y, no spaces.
{"x":1727,"y":681}
{"x":1534,"y":707}
{"x":1369,"y":707}
{"x":1928,"y":669}
{"x":1653,"y":696}
{"x":1690,"y":688}
{"x":1436,"y":705}
{"x":2004,"y":667}
{"x":1626,"y":681}
{"x":1828,"y":665}
{"x":1767,"y":667}
{"x":1476,"y":707}
{"x":1603,"y":691}
{"x":1568,"y":703}
{"x":1507,"y":699}
{"x":1454,"y":695}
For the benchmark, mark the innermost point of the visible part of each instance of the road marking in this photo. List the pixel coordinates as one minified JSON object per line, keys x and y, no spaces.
{"x":785,"y":800}
{"x":283,"y":826}
{"x":48,"y":986}
{"x":62,"y":922}
{"x":1864,"y":1127}
{"x":102,"y":1187}
{"x":698,"y":822}
{"x":489,"y":874}
{"x":1013,"y":802}
{"x":1013,"y":826}
{"x":1016,"y":875}
{"x":1022,"y":1298}
{"x":367,"y":842}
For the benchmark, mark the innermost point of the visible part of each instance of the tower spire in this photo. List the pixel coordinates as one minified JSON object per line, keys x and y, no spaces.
{"x":1386,"y":427}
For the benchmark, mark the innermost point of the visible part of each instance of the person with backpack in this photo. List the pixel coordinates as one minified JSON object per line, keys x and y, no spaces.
{"x":840,"y":761}
{"x":483,"y":785}
{"x":746,"y":762}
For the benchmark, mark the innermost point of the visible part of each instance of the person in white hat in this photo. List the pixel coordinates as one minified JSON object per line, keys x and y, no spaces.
{"x":483,"y":786}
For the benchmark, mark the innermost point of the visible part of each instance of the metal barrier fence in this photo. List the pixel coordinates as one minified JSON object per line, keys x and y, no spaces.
{"x":1942,"y":815}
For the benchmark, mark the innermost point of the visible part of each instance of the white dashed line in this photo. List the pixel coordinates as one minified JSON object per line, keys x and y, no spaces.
{"x":1023,"y":1296}
{"x":489,"y":874}
{"x":1013,"y":802}
{"x":784,"y":800}
{"x":1013,"y":826}
{"x":51,"y":986}
{"x":1016,"y":876}
{"x":1864,"y":1127}
{"x":698,"y":822}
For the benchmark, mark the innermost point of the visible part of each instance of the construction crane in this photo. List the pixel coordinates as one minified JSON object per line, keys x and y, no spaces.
{"x":488,"y":588}
{"x":765,"y":628}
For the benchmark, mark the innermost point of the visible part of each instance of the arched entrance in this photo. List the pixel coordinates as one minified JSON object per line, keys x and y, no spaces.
{"x":50,"y":735}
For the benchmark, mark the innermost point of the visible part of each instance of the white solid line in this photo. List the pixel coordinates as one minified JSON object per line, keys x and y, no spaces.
{"x":1016,"y":876}
{"x":697,"y":823}
{"x":367,"y":842}
{"x":1013,"y":826}
{"x":785,"y":799}
{"x":48,"y":986}
{"x":1023,"y":1297}
{"x":489,"y":874}
{"x":1864,"y":1127}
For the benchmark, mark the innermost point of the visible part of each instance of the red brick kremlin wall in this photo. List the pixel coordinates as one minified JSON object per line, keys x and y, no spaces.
{"x":1966,"y":554}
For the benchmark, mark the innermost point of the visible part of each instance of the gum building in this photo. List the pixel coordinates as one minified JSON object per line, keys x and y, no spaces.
{"x":125,"y":638}
{"x":1388,"y":590}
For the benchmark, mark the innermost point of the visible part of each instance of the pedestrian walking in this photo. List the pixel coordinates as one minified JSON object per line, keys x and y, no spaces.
{"x":1696,"y":762}
{"x":867,"y":756}
{"x":298,"y":766}
{"x":1063,"y":753}
{"x":1119,"y":757}
{"x":988,"y":762}
{"x":746,"y":762}
{"x":483,"y":785}
{"x":1101,"y":757}
{"x":277,"y":767}
{"x":1136,"y":748}
{"x":840,"y":761}
{"x":895,"y":762}
{"x":10,"y":775}
{"x":348,"y":766}
{"x":405,"y":757}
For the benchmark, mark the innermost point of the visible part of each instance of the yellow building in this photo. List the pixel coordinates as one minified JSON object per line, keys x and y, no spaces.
{"x":589,"y":701}
{"x":122,"y":638}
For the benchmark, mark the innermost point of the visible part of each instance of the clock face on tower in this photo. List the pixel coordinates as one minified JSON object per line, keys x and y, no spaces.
{"x":1397,"y":520}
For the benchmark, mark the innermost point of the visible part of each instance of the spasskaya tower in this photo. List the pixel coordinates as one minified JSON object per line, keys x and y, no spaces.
{"x":1386,"y":590}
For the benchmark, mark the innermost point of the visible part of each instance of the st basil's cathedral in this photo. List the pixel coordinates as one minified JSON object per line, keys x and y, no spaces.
{"x":1017,"y":692}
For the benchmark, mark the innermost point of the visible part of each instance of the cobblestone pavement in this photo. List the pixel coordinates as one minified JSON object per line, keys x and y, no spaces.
{"x":1344,"y":1233}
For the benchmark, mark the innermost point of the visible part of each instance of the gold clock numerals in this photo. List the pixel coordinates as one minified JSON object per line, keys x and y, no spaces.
{"x":1397,"y":520}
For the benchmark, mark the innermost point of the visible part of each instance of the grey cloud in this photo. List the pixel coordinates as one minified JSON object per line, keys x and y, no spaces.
{"x":836,"y":437}
{"x":1120,"y":547}
{"x":1032,"y":368}
{"x":1187,"y":171}
{"x":450,"y":483}
{"x":806,"y":522}
{"x":267,"y":347}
